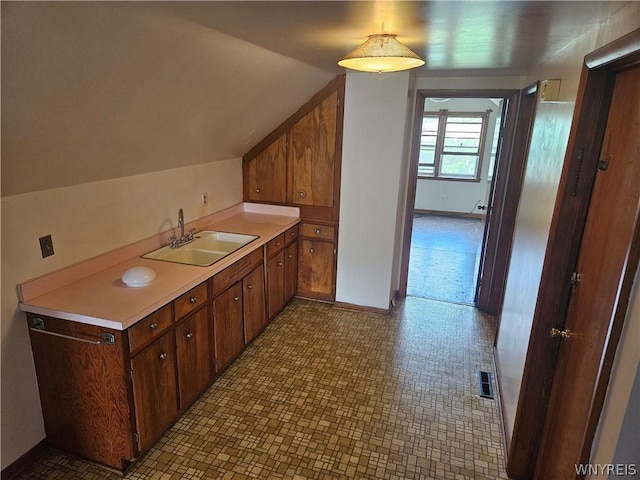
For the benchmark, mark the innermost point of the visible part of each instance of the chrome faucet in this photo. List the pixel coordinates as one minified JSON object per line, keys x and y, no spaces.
{"x":184,"y":239}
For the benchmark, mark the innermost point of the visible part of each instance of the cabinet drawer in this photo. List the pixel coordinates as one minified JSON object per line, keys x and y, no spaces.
{"x":313,"y":230}
{"x":236,"y":271}
{"x":290,"y":235}
{"x":275,"y":245}
{"x":150,"y":327}
{"x":189,"y":301}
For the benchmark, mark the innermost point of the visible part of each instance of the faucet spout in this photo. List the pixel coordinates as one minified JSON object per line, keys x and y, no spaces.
{"x":184,"y":239}
{"x":181,"y":223}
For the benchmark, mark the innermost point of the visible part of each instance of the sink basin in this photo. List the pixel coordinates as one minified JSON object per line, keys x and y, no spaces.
{"x":207,"y":248}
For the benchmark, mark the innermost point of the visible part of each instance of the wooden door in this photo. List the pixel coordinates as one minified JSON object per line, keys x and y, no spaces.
{"x":193,"y":355}
{"x":317,"y":269}
{"x":154,"y":389}
{"x":290,"y":271}
{"x":275,"y":279}
{"x":312,"y":155}
{"x":254,"y":303}
{"x":228,"y":329}
{"x":265,"y":175}
{"x":607,"y":261}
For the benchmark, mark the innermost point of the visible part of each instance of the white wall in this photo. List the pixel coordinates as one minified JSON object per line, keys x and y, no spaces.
{"x":372,"y":157}
{"x":85,"y":220}
{"x":452,"y":196}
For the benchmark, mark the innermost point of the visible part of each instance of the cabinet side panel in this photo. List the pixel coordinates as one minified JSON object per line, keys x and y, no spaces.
{"x":83,"y":391}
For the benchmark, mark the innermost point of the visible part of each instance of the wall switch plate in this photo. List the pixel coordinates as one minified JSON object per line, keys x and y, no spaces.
{"x":46,"y":246}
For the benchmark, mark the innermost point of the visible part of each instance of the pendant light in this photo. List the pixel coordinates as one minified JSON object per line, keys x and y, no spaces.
{"x":381,"y":53}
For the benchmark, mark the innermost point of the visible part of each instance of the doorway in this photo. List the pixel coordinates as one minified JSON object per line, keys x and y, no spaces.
{"x":458,"y":177}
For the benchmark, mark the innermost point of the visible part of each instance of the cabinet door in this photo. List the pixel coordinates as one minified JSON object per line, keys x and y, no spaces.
{"x":275,"y":280}
{"x":317,"y":269}
{"x":254,"y":303}
{"x":228,"y":327}
{"x":194,"y":356}
{"x":154,"y":389}
{"x":290,"y":271}
{"x":312,"y":155}
{"x":265,"y":175}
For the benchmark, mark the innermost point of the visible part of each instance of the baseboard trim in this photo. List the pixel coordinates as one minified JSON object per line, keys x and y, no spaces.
{"x":505,"y":440}
{"x":22,"y":463}
{"x":360,"y":308}
{"x":449,"y":214}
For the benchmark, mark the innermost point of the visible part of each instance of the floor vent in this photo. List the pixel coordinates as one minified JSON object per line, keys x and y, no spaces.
{"x":485,"y":387}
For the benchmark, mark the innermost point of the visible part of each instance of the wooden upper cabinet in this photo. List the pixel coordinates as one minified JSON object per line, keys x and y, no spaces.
{"x":265,"y":176}
{"x":312,"y":155}
{"x":298,"y":163}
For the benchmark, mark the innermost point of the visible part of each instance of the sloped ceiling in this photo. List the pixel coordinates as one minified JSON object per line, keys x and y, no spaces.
{"x":98,"y":90}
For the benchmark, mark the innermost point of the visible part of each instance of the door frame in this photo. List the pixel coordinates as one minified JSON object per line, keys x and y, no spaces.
{"x":574,"y":193}
{"x":498,"y":219}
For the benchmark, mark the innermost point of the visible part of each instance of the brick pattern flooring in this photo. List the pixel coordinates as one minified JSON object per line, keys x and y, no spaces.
{"x":325,"y":393}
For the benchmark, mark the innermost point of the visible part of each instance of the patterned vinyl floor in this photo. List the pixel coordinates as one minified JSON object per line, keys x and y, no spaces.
{"x":325,"y":393}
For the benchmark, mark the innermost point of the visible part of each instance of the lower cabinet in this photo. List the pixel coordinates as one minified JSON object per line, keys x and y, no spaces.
{"x":155,"y":396}
{"x":282,"y":270}
{"x":228,"y":329}
{"x":194,"y":356}
{"x":107,"y":395}
{"x":254,"y":303}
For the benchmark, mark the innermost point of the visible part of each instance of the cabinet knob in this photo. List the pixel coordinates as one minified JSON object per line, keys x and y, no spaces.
{"x":293,"y":234}
{"x":163,"y":356}
{"x":153,"y":326}
{"x":311,"y":250}
{"x":193,"y":299}
{"x":257,"y":190}
{"x":279,"y":264}
{"x":277,"y":244}
{"x":250,"y":287}
{"x":317,"y":231}
{"x":189,"y":335}
{"x":302,"y":194}
{"x":290,"y":256}
{"x":236,"y":298}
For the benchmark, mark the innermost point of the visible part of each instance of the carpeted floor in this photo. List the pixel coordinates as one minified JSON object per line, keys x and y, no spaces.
{"x":325,"y":393}
{"x":443,"y":257}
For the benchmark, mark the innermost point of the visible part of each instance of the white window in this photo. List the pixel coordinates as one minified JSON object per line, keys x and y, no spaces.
{"x":451,"y":145}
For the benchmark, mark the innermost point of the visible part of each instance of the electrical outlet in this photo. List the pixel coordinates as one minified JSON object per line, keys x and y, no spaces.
{"x":204,"y":198}
{"x":46,"y":246}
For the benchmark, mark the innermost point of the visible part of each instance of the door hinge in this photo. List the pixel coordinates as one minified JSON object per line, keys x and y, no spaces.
{"x":131,"y":373}
{"x":576,"y":278}
{"x":136,"y":438}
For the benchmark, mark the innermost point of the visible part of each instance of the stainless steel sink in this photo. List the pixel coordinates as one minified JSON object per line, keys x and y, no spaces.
{"x":207,"y":248}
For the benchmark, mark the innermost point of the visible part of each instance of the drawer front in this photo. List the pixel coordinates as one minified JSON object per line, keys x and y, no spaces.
{"x":290,"y":235}
{"x":188,"y":302}
{"x":150,"y":327}
{"x":236,"y":271}
{"x":275,"y":245}
{"x":312,"y":230}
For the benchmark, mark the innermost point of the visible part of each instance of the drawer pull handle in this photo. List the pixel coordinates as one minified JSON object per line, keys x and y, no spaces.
{"x":317,"y":231}
{"x":277,"y":244}
{"x":236,"y":298}
{"x":257,"y":190}
{"x":189,"y":335}
{"x":279,"y":264}
{"x":153,"y":326}
{"x":311,"y":250}
{"x":163,"y":356}
{"x":293,"y":234}
{"x":193,"y":299}
{"x":106,"y":338}
{"x":250,"y":287}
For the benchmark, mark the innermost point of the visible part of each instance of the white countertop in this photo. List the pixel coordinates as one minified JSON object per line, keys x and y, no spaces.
{"x":102,"y":299}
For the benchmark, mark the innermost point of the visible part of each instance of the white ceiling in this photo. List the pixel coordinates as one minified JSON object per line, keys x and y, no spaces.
{"x":454,"y":37}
